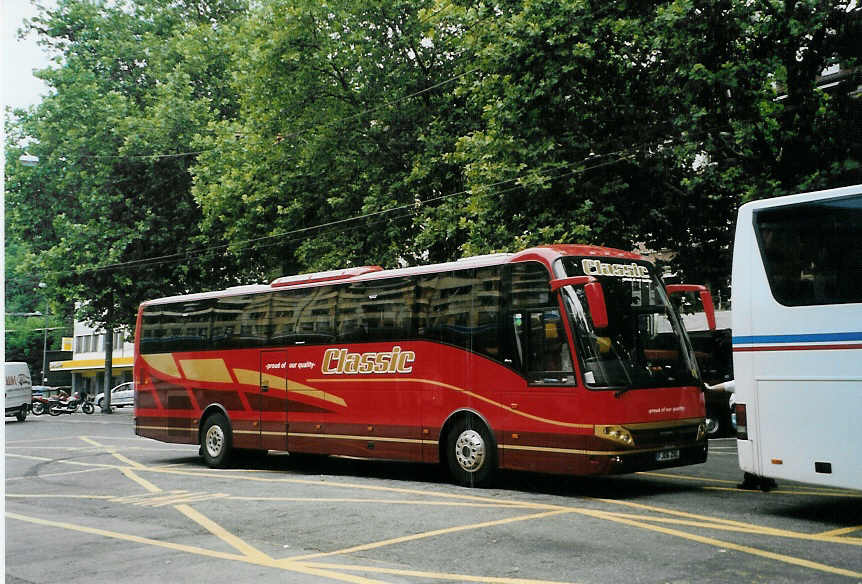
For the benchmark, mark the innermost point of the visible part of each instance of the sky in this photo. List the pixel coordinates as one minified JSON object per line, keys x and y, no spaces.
{"x":20,"y":58}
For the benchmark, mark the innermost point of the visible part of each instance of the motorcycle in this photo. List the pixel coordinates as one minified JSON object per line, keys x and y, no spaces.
{"x":70,"y":405}
{"x":40,"y":405}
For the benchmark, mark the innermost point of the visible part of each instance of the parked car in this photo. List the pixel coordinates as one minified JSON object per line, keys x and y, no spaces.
{"x":121,"y":395}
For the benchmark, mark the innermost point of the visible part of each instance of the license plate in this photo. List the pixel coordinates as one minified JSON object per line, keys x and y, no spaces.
{"x":666,"y":455}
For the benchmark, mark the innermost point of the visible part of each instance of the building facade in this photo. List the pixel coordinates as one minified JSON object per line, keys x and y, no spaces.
{"x":87,"y":365}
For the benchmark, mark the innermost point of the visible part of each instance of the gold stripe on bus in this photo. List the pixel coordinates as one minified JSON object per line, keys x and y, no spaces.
{"x":211,"y":370}
{"x":465,"y":392}
{"x":250,"y":377}
{"x":581,"y":452}
{"x":163,"y":363}
{"x":166,"y":428}
{"x":368,"y":438}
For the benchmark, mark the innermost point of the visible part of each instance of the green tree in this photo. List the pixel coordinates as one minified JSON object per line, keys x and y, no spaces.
{"x":108,"y":211}
{"x":629,"y":122}
{"x":337,"y":110}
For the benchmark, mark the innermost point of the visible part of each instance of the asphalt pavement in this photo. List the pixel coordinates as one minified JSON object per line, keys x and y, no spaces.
{"x":88,"y":501}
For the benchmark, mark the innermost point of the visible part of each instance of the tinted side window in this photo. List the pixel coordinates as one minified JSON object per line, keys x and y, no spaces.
{"x":530,"y":285}
{"x":240,"y":321}
{"x":305,"y":315}
{"x":182,"y":326}
{"x":461,"y":308}
{"x":380,"y":310}
{"x":811,"y":252}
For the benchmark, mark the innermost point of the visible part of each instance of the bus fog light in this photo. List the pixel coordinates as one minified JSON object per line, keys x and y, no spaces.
{"x":616,"y":434}
{"x":701,"y":431}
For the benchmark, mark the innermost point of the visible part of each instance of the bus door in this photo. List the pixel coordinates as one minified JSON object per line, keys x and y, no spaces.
{"x":269,"y":403}
{"x":543,"y":356}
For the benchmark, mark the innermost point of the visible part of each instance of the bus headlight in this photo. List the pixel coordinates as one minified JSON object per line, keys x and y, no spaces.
{"x":616,"y":434}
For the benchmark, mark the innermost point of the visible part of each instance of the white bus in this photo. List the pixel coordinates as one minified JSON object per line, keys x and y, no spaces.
{"x":797,"y":337}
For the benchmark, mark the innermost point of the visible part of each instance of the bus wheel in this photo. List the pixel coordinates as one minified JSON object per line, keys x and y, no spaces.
{"x":470,"y":453}
{"x":217,"y":441}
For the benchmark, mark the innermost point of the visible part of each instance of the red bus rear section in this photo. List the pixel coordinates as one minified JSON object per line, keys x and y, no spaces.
{"x":560,"y":359}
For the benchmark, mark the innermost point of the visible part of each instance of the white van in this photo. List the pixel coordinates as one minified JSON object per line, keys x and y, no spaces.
{"x":19,"y":390}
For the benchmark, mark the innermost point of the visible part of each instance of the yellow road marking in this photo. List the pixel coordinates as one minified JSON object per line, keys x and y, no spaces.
{"x":842,"y":531}
{"x":291,"y":563}
{"x":433,"y":575}
{"x":828,"y":537}
{"x":427,"y":534}
{"x":300,"y":568}
{"x":126,"y":537}
{"x":43,"y":496}
{"x":816,"y":493}
{"x":356,"y":500}
{"x":141,"y":481}
{"x":220,"y":532}
{"x":726,"y":544}
{"x":681,"y":477}
{"x":55,"y":474}
{"x":113,"y":452}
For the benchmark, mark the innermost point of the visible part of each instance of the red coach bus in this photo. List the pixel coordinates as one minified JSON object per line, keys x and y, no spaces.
{"x":561,"y":359}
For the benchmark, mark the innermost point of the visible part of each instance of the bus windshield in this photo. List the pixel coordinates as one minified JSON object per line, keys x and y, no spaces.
{"x":644,"y":344}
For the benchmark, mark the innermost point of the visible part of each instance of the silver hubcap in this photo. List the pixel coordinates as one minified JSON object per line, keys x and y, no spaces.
{"x":214,"y":440}
{"x":470,"y":450}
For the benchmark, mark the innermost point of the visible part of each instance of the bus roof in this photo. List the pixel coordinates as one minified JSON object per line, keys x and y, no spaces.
{"x":802,"y":198}
{"x":546,"y":254}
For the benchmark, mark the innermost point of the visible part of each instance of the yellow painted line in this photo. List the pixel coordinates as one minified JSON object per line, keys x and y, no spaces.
{"x":54,"y":474}
{"x":726,"y":544}
{"x":220,"y":532}
{"x":842,"y":531}
{"x":141,"y":481}
{"x":801,"y":490}
{"x":126,"y":537}
{"x":427,"y":534}
{"x":433,"y":575}
{"x":359,"y":501}
{"x":416,"y":574}
{"x":43,"y":496}
{"x":139,"y":497}
{"x":340,"y":485}
{"x":827,"y":537}
{"x":299,"y":568}
{"x":848,"y":494}
{"x":194,"y":498}
{"x":112,"y":451}
{"x":681,"y":477}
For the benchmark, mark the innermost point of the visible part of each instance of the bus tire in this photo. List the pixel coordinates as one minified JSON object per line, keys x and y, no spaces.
{"x":216,"y":441}
{"x":470,"y":452}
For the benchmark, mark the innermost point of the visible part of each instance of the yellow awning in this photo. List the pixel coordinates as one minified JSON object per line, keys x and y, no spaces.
{"x":117,"y":363}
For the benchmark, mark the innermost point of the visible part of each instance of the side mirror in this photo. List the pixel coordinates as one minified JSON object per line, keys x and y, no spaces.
{"x":595,"y":297}
{"x":705,"y":298}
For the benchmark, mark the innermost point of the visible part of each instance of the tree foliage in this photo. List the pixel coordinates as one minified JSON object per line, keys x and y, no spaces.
{"x":194,"y":143}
